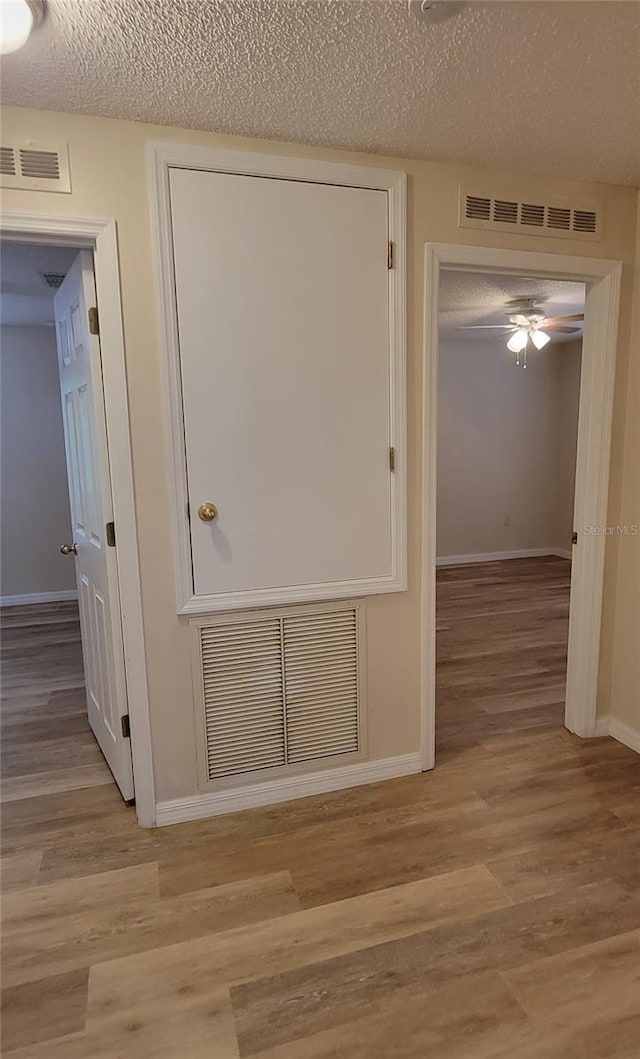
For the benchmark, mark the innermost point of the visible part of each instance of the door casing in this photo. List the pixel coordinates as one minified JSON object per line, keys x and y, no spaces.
{"x":162,"y":158}
{"x":599,"y":345}
{"x":100,"y":236}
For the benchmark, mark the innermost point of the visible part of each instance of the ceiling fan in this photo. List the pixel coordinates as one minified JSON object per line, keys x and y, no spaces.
{"x":527,"y":322}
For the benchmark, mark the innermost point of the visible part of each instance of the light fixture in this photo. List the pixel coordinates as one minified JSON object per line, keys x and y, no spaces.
{"x":518,"y":340}
{"x":539,"y":339}
{"x":17,"y":19}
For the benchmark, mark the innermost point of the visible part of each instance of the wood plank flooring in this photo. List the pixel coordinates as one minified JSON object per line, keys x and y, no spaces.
{"x":489,"y":910}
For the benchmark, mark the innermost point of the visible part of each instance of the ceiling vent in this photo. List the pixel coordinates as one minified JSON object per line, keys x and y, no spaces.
{"x":52,"y":279}
{"x":35,"y":167}
{"x":535,"y":218}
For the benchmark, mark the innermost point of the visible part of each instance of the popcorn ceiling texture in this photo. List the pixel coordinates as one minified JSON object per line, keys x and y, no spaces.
{"x":550,"y":87}
{"x":470,"y":298}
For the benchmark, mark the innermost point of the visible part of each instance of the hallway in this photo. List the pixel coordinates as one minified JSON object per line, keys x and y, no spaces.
{"x":490,"y":910}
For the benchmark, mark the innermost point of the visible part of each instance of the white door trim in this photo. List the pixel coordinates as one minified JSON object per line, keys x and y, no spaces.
{"x":592,"y":466}
{"x":101,"y":236}
{"x":162,"y":158}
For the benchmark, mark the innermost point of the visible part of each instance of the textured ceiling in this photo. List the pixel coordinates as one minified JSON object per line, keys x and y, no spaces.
{"x":471,"y":298}
{"x":541,"y":86}
{"x":24,"y":296}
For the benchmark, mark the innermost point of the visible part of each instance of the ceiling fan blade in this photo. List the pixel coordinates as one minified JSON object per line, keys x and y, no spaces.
{"x":562,"y":319}
{"x":561,"y":330}
{"x":484,"y":327}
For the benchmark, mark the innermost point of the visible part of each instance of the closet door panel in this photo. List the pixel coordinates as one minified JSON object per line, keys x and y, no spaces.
{"x":282,"y":305}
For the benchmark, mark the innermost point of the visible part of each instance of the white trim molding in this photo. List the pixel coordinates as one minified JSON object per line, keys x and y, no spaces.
{"x":495,"y":557}
{"x":215,"y":803}
{"x":163,"y":157}
{"x":599,"y":346}
{"x":624,"y":733}
{"x":619,"y":731}
{"x":100,"y":235}
{"x":62,"y":595}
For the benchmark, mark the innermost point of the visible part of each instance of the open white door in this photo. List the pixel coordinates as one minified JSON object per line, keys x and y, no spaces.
{"x":91,"y":513}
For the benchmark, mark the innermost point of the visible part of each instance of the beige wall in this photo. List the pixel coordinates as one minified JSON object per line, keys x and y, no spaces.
{"x":622,"y":699}
{"x":506,"y":446}
{"x":34,"y":498}
{"x":110,"y":179}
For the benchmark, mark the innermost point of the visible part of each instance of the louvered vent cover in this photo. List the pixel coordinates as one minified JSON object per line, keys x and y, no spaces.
{"x":52,"y":279}
{"x":35,"y":167}
{"x":279,"y":690}
{"x":535,"y":218}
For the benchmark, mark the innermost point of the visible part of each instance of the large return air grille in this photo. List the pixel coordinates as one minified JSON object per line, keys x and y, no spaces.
{"x":279,"y":690}
{"x":536,"y":218}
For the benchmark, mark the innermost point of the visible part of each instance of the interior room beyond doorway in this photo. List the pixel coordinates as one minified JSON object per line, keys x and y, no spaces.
{"x":508,"y":399}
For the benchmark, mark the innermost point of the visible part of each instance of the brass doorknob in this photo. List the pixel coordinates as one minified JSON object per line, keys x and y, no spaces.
{"x":69,"y":549}
{"x":207,"y":511}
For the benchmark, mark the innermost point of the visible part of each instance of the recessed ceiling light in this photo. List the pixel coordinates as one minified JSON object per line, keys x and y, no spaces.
{"x":434,"y":10}
{"x":17,"y":19}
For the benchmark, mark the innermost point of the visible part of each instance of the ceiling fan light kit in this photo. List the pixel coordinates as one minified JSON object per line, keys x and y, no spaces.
{"x":18,"y":18}
{"x":539,"y":339}
{"x":527,"y":322}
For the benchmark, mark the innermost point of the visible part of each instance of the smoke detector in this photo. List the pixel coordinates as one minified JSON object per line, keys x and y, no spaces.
{"x":434,"y":10}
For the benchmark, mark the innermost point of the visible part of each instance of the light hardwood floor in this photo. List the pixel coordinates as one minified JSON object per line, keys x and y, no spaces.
{"x":490,"y":910}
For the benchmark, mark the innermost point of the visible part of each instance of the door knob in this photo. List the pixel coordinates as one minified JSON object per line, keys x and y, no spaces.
{"x":69,"y":549}
{"x":207,"y":511}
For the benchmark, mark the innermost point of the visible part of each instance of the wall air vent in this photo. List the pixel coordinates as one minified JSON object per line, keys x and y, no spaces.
{"x":7,"y":161}
{"x":536,"y":218}
{"x":278,"y":690}
{"x":35,"y":166}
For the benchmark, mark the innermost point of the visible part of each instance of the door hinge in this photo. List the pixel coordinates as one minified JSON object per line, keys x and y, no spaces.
{"x":389,"y":254}
{"x":110,"y":529}
{"x":574,"y":537}
{"x":392,"y":459}
{"x":124,"y":724}
{"x":94,"y":323}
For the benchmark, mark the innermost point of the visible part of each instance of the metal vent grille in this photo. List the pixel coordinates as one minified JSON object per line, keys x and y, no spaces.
{"x":7,"y":161}
{"x":507,"y":212}
{"x":39,"y":165}
{"x":478,"y":211}
{"x":279,"y":690}
{"x":52,"y":279}
{"x":321,"y":681}
{"x":584,"y":221}
{"x":35,"y":167}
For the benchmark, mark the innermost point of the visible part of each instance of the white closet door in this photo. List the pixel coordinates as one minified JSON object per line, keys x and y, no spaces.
{"x":282,"y":304}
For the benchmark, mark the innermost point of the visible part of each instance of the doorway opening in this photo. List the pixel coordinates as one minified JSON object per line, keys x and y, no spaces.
{"x":601,"y":279}
{"x":509,"y":364}
{"x":62,"y":633}
{"x":99,"y":237}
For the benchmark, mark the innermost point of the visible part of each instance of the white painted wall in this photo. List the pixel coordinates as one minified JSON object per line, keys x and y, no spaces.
{"x":34,"y":500}
{"x":506,"y":447}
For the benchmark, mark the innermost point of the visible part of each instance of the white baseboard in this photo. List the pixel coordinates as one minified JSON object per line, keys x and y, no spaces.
{"x":39,"y":597}
{"x":617,"y":730}
{"x":602,"y":727}
{"x":215,"y":803}
{"x":494,"y":557}
{"x":562,"y":553}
